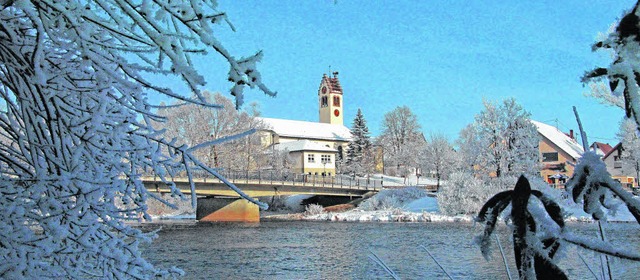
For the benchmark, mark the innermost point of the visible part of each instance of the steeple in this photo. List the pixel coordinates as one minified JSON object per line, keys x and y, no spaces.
{"x":330,"y":100}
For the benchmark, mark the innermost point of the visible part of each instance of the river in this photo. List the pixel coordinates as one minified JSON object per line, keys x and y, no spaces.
{"x":334,"y":250}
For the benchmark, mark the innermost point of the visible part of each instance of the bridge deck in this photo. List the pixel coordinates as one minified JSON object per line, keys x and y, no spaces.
{"x":260,"y":187}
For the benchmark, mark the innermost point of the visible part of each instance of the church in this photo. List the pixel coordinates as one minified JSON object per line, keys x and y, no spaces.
{"x":314,"y":146}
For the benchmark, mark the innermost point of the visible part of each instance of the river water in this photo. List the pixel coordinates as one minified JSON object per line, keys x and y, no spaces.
{"x":333,"y":250}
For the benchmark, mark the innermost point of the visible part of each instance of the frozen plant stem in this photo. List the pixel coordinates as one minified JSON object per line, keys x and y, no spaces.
{"x":585,"y":146}
{"x":588,"y":267}
{"x":382,"y":264}
{"x":504,"y":258}
{"x":436,"y":261}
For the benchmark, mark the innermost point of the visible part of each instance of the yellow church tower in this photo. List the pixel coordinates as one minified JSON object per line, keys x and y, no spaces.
{"x":330,"y":100}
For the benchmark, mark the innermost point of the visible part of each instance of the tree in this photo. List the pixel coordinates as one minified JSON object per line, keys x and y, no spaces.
{"x":623,"y":74}
{"x":630,"y":140}
{"x":502,"y":141}
{"x":77,"y":127}
{"x":359,"y":159}
{"x":191,"y":124}
{"x":439,"y":157}
{"x":401,"y":139}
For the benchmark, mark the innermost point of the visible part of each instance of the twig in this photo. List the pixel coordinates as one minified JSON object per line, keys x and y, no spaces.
{"x":588,"y":267}
{"x":504,"y":258}
{"x":583,"y":134}
{"x":604,"y":238}
{"x":436,"y":261}
{"x":381,"y":263}
{"x":585,"y":144}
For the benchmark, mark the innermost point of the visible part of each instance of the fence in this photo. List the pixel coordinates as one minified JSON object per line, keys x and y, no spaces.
{"x":273,"y":177}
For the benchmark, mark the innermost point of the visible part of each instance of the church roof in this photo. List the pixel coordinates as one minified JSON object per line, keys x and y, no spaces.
{"x":305,"y":145}
{"x":557,"y":137}
{"x":308,"y":130}
{"x":332,"y":83}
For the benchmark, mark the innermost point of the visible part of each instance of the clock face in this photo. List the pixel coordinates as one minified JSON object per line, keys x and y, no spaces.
{"x":336,"y":112}
{"x":324,"y":89}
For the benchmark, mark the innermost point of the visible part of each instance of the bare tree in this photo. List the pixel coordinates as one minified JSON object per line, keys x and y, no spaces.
{"x":77,"y":127}
{"x":191,"y":124}
{"x":439,"y":157}
{"x":401,"y":139}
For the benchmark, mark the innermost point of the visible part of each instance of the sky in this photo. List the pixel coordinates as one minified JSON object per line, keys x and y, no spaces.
{"x":439,"y":58}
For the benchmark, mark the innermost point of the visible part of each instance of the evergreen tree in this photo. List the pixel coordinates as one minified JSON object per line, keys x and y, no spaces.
{"x":359,"y":158}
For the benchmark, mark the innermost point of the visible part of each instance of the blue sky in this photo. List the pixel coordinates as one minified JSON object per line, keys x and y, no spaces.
{"x":439,"y":58}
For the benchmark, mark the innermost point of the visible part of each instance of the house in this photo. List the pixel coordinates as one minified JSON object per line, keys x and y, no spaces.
{"x":623,"y":173}
{"x":601,"y":148}
{"x":559,"y":153}
{"x":314,"y":146}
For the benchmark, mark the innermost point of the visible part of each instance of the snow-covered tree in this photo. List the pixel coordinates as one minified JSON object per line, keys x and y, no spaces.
{"x":462,"y":193}
{"x":502,"y":141}
{"x":623,"y":74}
{"x":77,"y":129}
{"x":359,"y":158}
{"x":438,"y":157}
{"x":192,"y":124}
{"x":401,"y":139}
{"x":628,"y":135}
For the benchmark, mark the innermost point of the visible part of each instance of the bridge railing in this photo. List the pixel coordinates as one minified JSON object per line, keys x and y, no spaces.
{"x":273,"y":177}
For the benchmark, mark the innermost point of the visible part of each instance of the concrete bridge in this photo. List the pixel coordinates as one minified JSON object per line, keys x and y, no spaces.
{"x":217,"y":202}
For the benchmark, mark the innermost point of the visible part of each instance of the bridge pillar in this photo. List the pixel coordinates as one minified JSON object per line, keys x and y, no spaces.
{"x":212,"y":209}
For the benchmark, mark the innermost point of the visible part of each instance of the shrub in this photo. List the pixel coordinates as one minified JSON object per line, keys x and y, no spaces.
{"x":313,"y":209}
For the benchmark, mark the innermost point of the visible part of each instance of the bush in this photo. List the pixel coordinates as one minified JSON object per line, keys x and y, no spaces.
{"x":313,"y":209}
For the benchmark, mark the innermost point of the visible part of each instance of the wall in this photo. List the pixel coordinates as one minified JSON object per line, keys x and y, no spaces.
{"x":547,"y":146}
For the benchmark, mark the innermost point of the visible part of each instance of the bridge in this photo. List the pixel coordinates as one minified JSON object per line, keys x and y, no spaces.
{"x":215,"y":196}
{"x":260,"y":184}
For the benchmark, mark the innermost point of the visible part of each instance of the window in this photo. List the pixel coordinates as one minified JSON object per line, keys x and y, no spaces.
{"x":325,"y":158}
{"x":311,"y":158}
{"x":546,"y":157}
{"x":336,"y":101}
{"x":324,"y":101}
{"x":617,"y":164}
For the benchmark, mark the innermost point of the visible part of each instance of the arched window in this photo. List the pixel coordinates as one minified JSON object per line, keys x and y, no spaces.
{"x":324,"y":102}
{"x":336,"y":101}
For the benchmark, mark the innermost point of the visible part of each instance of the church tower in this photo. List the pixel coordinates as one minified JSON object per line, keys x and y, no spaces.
{"x":330,"y":100}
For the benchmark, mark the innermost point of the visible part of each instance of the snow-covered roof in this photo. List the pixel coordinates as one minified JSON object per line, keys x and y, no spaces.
{"x":601,"y":148}
{"x":305,"y":145}
{"x":308,"y":130}
{"x":557,"y":137}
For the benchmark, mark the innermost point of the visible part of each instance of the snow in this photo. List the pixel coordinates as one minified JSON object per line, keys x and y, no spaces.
{"x":304,"y":145}
{"x":308,"y":130}
{"x":557,"y":137}
{"x":425,"y":204}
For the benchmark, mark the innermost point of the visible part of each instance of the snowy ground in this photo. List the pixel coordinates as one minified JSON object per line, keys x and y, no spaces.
{"x":426,"y":210}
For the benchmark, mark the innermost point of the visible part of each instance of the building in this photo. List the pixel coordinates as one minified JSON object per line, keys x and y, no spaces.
{"x":623,"y":173}
{"x":600,"y":148}
{"x":559,"y":153}
{"x":314,"y":146}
